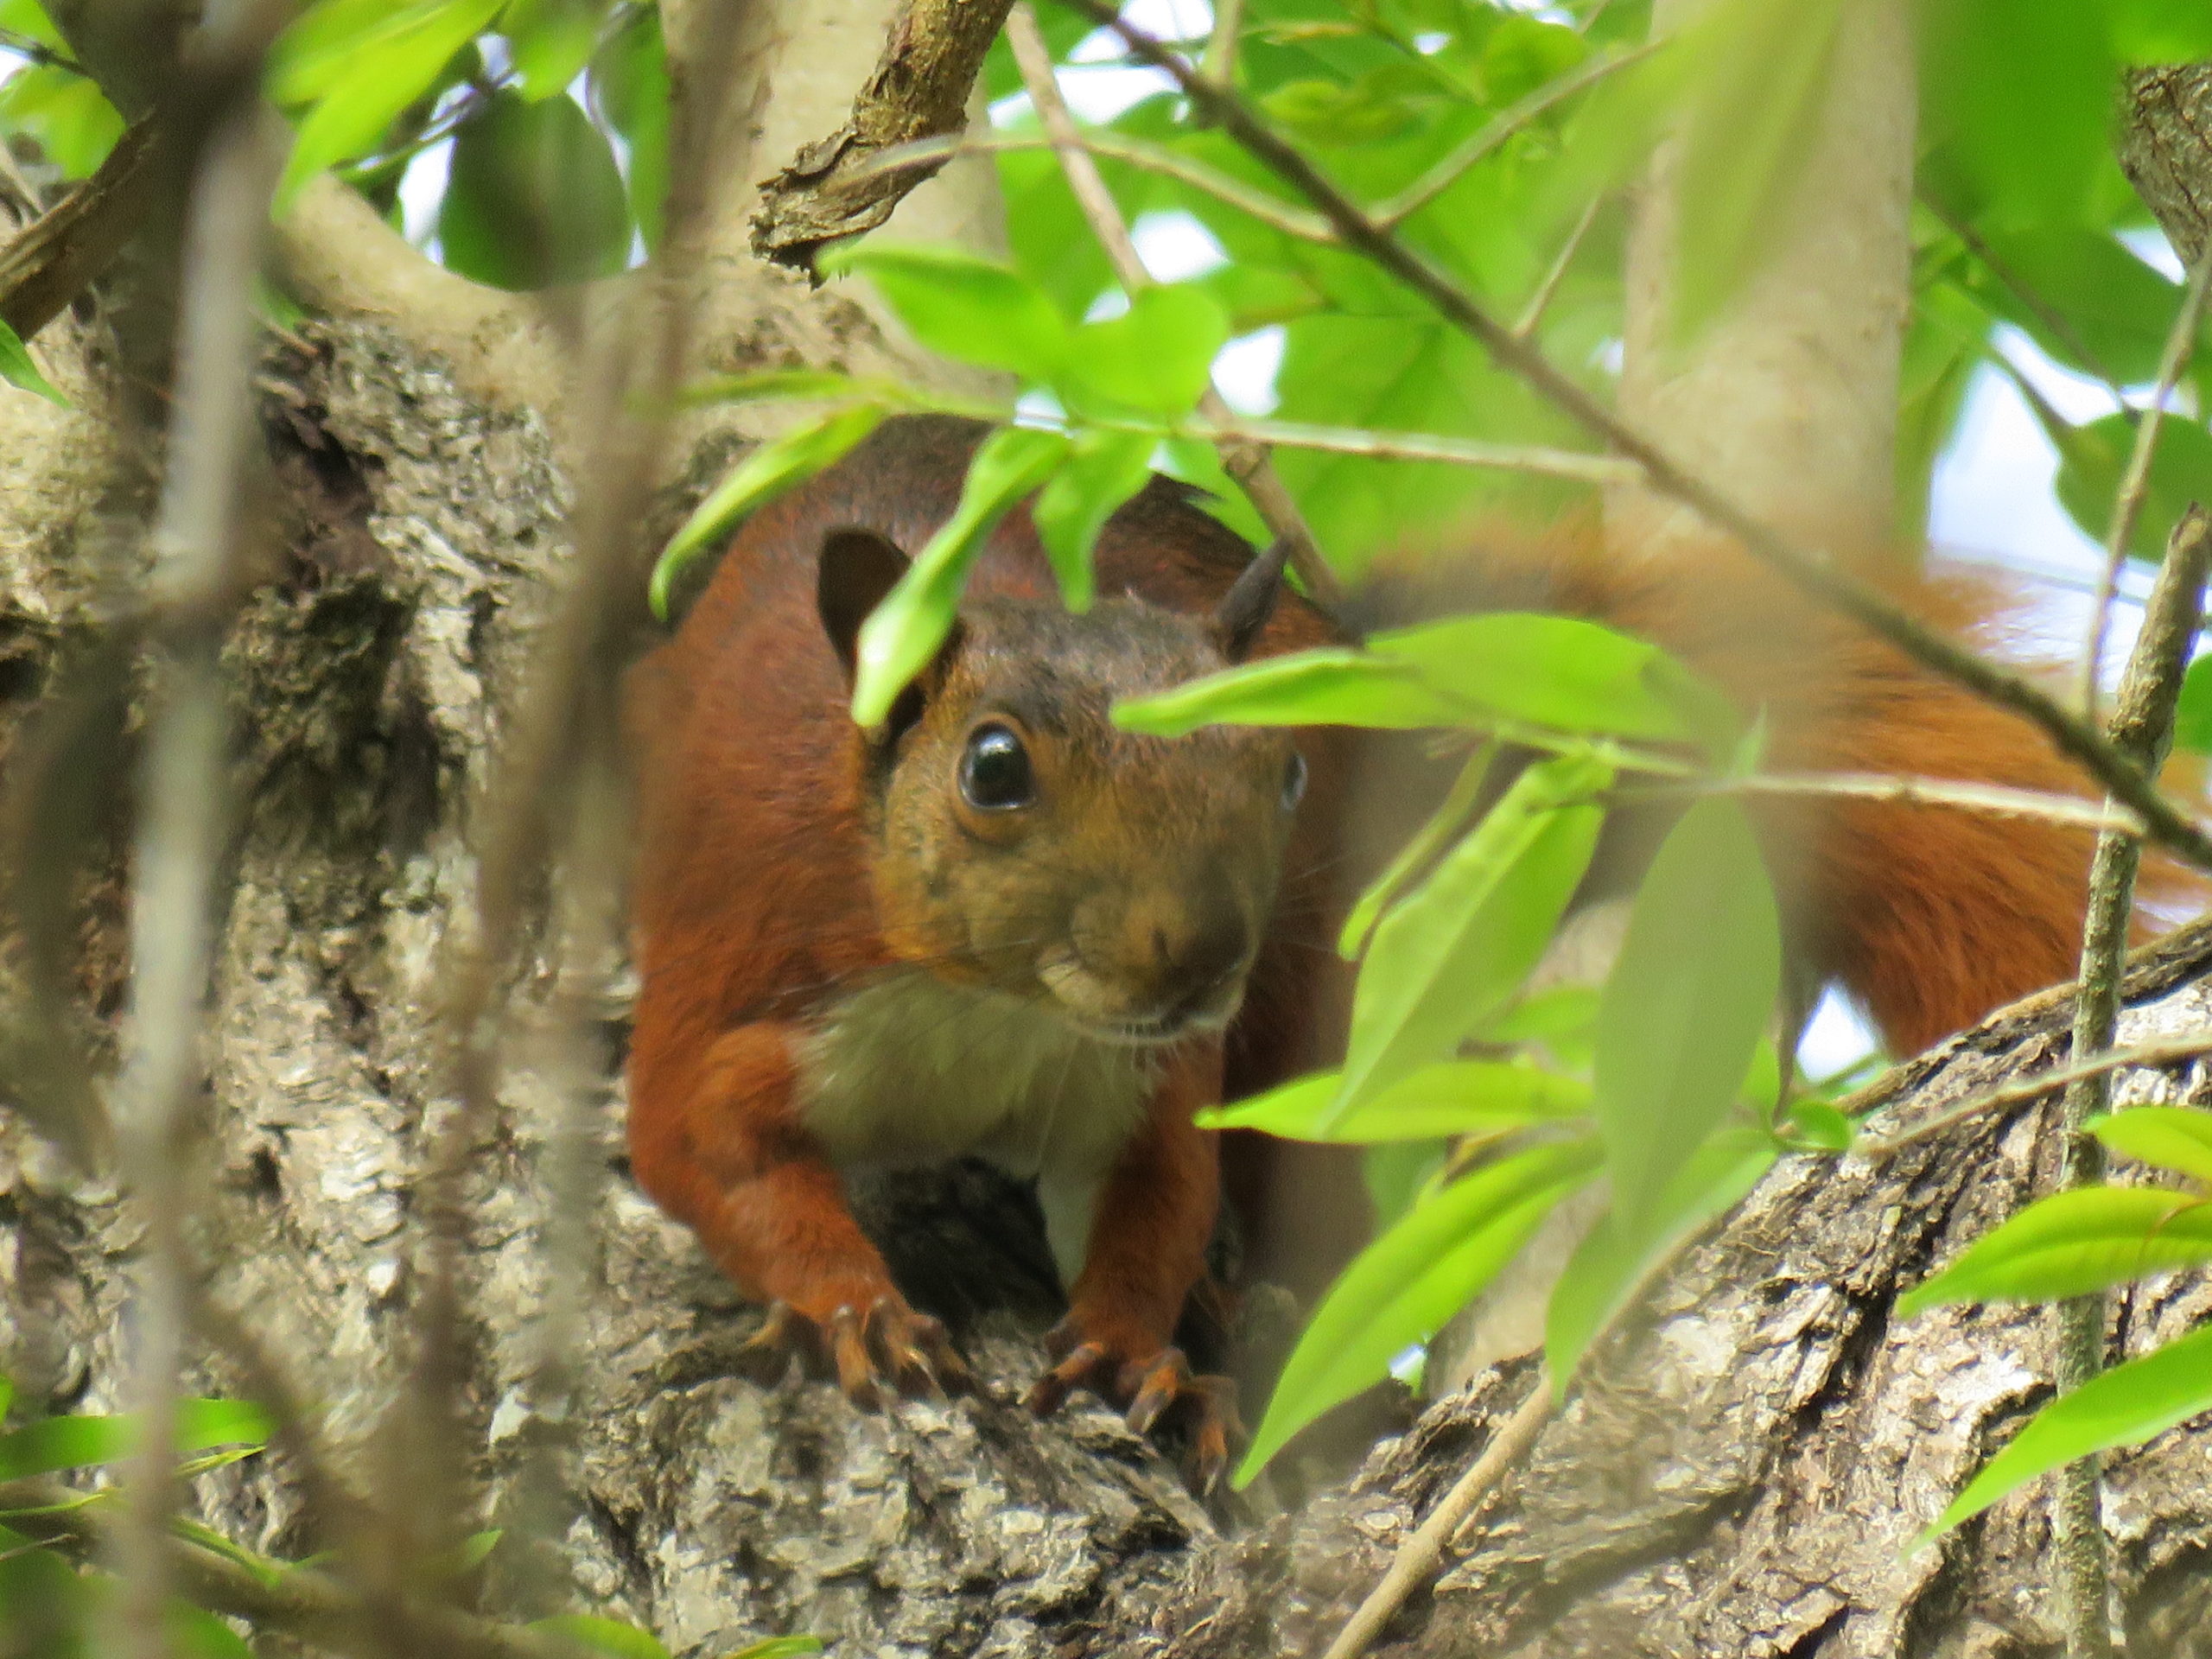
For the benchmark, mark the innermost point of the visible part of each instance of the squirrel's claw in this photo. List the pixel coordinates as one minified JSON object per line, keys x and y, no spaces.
{"x":1146,"y":1391}
{"x":886,"y":1346}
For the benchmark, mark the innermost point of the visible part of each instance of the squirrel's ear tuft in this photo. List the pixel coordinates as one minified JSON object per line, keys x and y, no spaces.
{"x":1250,"y":601}
{"x":857,"y":568}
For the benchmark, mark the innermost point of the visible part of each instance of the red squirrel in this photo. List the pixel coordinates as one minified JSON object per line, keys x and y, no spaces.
{"x":998,"y":925}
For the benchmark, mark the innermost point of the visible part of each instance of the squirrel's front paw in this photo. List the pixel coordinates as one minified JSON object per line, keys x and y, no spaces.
{"x":887,"y":1343}
{"x":1146,"y":1387}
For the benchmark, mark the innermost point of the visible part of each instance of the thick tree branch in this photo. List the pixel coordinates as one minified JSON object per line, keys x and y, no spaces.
{"x":63,"y":251}
{"x":2166,"y":151}
{"x":919,"y":89}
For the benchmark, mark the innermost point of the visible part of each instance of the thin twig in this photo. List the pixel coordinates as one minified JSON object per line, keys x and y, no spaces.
{"x":1416,"y":1560}
{"x":201,"y":547}
{"x":59,"y":254}
{"x":2025,"y":1091}
{"x":1415,"y":446}
{"x":1802,"y":566}
{"x":1138,"y":153}
{"x":1246,"y":462}
{"x":2142,"y":728}
{"x":1995,"y":800}
{"x":1540,"y":302}
{"x":1392,"y":210}
{"x":2135,"y":482}
{"x":1220,"y":64}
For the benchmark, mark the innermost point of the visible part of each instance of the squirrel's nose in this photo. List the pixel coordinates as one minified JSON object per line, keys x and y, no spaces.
{"x":1195,"y":962}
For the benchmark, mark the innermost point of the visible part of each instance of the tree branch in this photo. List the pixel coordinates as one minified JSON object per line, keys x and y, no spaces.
{"x":919,"y":89}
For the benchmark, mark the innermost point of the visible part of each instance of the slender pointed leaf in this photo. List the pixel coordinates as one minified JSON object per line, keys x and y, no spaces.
{"x":1457,"y":1097}
{"x":960,"y":305}
{"x":907,"y":629}
{"x":17,"y":369}
{"x":1103,"y":470}
{"x":1688,"y":999}
{"x":2073,"y":1243}
{"x":2172,"y":1137}
{"x":2124,"y":1406}
{"x":1404,"y":1285}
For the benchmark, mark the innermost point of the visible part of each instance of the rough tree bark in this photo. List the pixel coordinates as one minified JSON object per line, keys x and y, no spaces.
{"x":1735,"y":1477}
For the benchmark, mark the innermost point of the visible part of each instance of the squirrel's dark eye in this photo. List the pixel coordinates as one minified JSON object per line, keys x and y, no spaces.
{"x":995,"y":773}
{"x":1293,"y":781}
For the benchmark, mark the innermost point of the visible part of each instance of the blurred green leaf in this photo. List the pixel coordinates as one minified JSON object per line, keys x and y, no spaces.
{"x":2159,"y":31}
{"x":1455,"y":948}
{"x":779,"y":1646}
{"x":2015,"y":101}
{"x":909,"y":627}
{"x":2171,"y":1137}
{"x":2126,"y":1406}
{"x":17,"y":369}
{"x":1454,"y":1098}
{"x":1404,"y":1285}
{"x":1154,"y":360}
{"x":2193,"y":720}
{"x":1820,"y":1124}
{"x":2072,"y":1243}
{"x":1602,"y":1275}
{"x":2116,"y":310}
{"x":54,"y":1443}
{"x":1689,"y":996}
{"x":28,"y":19}
{"x":552,"y":40}
{"x":630,"y":91}
{"x":781,"y":464}
{"x":960,"y":305}
{"x":1757,"y":91}
{"x":367,"y":80}
{"x":2093,"y":457}
{"x":69,"y":117}
{"x":194,"y":1631}
{"x":603,"y":1635}
{"x":534,"y":198}
{"x":1397,"y":1172}
{"x":1103,"y":470}
{"x":314,"y":52}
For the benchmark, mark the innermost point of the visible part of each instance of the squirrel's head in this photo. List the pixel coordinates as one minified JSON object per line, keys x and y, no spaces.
{"x":1024,"y":844}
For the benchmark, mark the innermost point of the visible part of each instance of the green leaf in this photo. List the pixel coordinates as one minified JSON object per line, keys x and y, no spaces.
{"x":552,"y":40}
{"x":1459,"y":945}
{"x":959,"y":305}
{"x":476,"y":1549}
{"x":2124,"y":1406}
{"x":2015,"y":100}
{"x":53,"y":1443}
{"x":629,"y":90}
{"x":1334,"y":685}
{"x":534,"y":198}
{"x":1686,"y":1004}
{"x":1455,"y":1098}
{"x":2193,"y":719}
{"x":2116,"y":310}
{"x":314,"y":52}
{"x":780,"y":1647}
{"x":1154,"y":359}
{"x":1426,"y":847}
{"x":781,"y":464}
{"x":194,"y":1631}
{"x":605,"y":1634}
{"x":1759,"y":84}
{"x":69,"y":117}
{"x":2171,"y":1137}
{"x":2093,"y":456}
{"x":2158,"y":31}
{"x":1103,"y":470}
{"x":1819,"y":1124}
{"x":2073,"y":1243}
{"x":381,"y":74}
{"x":1559,"y":672}
{"x":1602,"y":1275}
{"x":909,"y":627}
{"x":1403,"y":1287}
{"x":17,"y":369}
{"x":7,"y":1395}
{"x":1396,"y":1173}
